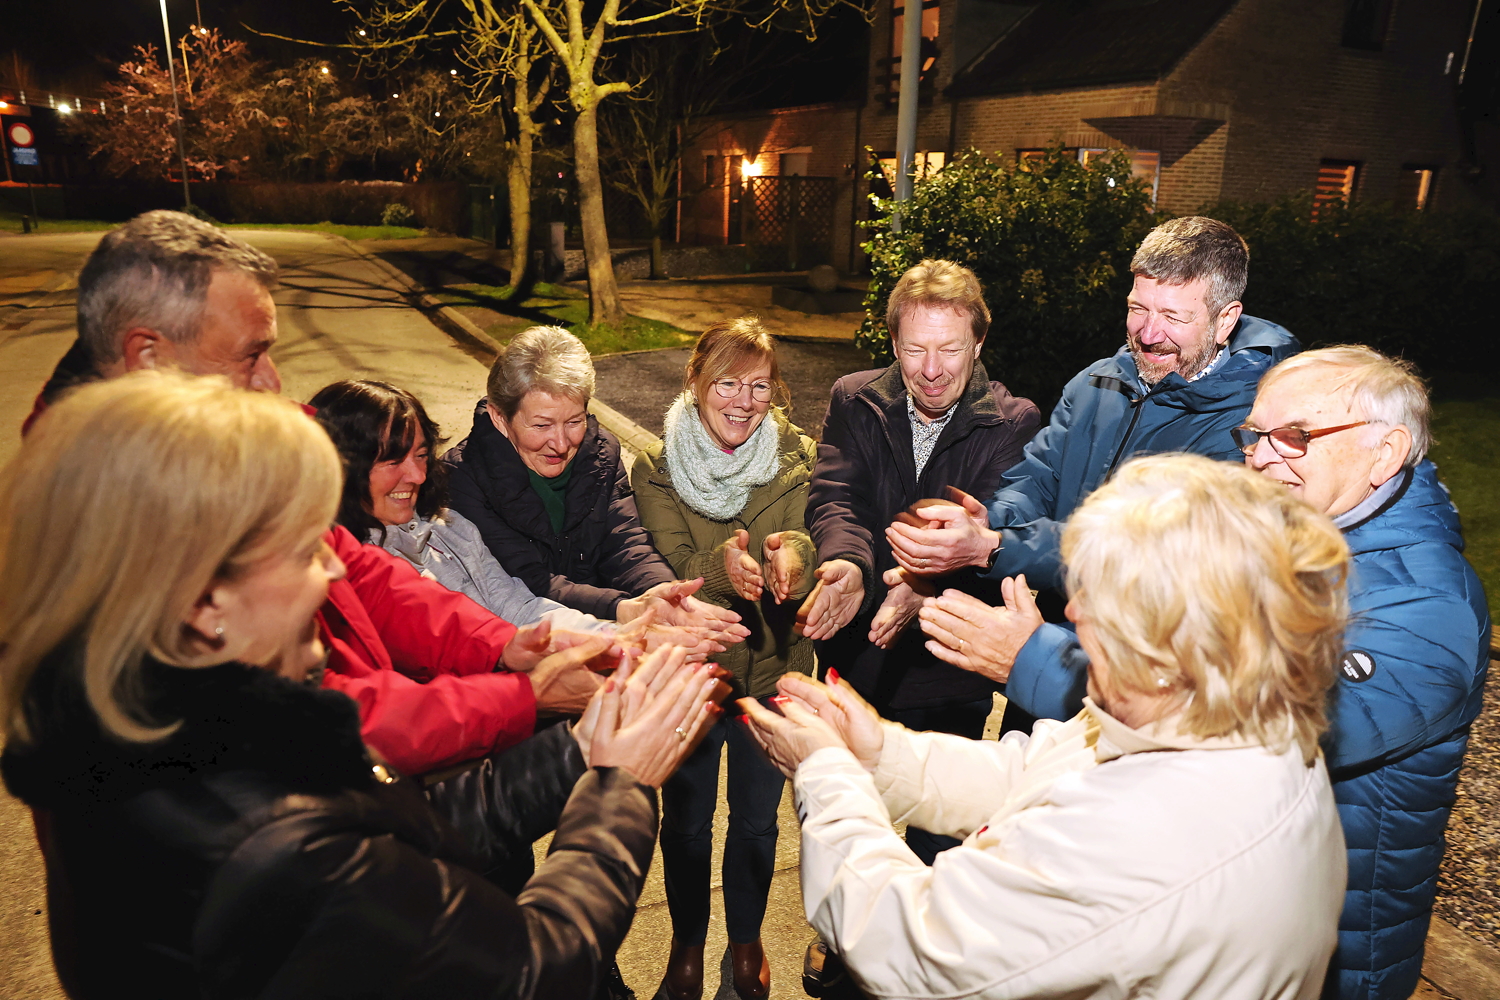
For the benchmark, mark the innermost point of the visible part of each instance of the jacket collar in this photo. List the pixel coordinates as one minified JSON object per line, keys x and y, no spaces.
{"x":1115,"y":739}
{"x":1421,"y":510}
{"x":499,"y":465}
{"x":1251,"y":341}
{"x":976,"y":406}
{"x":231,"y":717}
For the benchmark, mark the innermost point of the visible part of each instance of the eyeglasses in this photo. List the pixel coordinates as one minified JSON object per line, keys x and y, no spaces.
{"x":730,"y":388}
{"x":1289,"y":442}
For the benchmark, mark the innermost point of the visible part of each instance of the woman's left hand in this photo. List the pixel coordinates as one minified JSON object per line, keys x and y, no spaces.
{"x":784,"y":568}
{"x":675,"y":604}
{"x":790,"y":738}
{"x":744,"y":572}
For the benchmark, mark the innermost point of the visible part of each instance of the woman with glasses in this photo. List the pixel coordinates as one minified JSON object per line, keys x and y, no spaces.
{"x":723,"y":497}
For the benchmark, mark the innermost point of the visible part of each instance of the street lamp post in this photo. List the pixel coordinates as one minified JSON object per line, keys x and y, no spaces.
{"x":906,"y":105}
{"x":187,"y":196}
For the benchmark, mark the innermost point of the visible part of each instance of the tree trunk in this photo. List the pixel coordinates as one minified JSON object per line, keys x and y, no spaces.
{"x":658,"y":259}
{"x":604,"y":293}
{"x":518,"y":179}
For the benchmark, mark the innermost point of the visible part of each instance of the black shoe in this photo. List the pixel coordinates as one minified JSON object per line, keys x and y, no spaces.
{"x":824,"y":974}
{"x":614,"y":985}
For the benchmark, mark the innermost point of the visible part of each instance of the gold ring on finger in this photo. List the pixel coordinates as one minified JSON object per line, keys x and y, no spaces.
{"x":681,"y":734}
{"x":961,"y":644}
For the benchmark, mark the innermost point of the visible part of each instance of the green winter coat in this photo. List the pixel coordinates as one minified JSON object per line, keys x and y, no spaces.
{"x":694,"y":546}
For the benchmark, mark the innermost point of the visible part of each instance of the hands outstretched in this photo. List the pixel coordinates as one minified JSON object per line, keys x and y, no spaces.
{"x":814,"y":716}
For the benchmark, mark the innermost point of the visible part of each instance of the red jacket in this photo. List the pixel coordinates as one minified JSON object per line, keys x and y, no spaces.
{"x":419,"y":660}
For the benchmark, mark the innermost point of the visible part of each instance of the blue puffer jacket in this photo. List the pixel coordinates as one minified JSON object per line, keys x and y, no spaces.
{"x":1412,"y":678}
{"x":1400,"y":723}
{"x":1106,"y":415}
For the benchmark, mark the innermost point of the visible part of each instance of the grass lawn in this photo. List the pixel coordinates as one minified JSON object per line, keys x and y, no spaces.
{"x":1466,"y":448}
{"x":10,"y":222}
{"x":347,"y":232}
{"x":565,"y":307}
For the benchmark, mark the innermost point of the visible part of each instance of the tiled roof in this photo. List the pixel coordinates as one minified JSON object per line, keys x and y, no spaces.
{"x":1084,"y":43}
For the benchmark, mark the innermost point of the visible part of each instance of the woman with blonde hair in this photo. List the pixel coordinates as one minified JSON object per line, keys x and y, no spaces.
{"x":211,"y":823}
{"x":723,"y":496}
{"x":1177,"y":838}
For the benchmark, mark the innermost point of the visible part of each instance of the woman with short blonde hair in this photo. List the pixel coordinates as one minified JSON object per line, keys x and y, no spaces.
{"x":1177,"y":838}
{"x":211,"y":822}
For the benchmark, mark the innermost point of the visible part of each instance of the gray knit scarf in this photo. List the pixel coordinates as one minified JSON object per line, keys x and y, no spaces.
{"x":713,"y":482}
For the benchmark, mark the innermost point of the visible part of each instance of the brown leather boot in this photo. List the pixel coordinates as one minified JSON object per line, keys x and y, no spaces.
{"x":752,"y":970}
{"x":684,"y":978}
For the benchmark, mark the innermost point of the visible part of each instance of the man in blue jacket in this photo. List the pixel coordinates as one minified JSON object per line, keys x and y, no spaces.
{"x":1347,"y":430}
{"x":1184,"y":380}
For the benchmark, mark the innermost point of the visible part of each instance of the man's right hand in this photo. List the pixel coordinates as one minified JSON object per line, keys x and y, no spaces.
{"x":835,"y":601}
{"x":564,"y":682}
{"x":956,"y":538}
{"x":902,"y":602}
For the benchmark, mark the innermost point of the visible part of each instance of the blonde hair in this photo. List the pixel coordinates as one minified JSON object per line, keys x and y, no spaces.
{"x":544,"y":359}
{"x":1385,"y":391}
{"x":939,"y":284}
{"x":733,"y":347}
{"x":131,"y":498}
{"x":1215,"y":580}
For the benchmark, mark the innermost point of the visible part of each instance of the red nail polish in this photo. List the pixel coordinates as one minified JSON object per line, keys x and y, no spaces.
{"x":780,"y":699}
{"x":833,"y":676}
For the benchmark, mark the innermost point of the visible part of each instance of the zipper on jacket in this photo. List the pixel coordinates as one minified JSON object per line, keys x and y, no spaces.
{"x":1137,"y":405}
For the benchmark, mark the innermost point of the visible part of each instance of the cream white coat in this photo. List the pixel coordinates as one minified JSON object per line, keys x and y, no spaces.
{"x":1098,"y":861}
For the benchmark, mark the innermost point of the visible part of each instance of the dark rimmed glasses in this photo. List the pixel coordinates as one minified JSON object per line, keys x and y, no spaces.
{"x":760,"y":391}
{"x":1289,"y":442}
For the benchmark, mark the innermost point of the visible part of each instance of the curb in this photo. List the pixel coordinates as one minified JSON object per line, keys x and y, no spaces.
{"x":458,"y":326}
{"x":1458,"y":964}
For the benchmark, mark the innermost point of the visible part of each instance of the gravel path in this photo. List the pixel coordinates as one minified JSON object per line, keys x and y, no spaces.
{"x":1468,"y":894}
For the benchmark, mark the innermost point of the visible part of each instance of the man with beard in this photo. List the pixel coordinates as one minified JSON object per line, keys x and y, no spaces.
{"x":1184,"y":380}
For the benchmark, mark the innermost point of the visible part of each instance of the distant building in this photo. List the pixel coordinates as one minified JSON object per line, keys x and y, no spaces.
{"x":1211,"y":99}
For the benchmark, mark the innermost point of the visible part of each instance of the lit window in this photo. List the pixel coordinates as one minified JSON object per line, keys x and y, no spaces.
{"x":929,"y":44}
{"x":1145,"y":164}
{"x":1337,"y":180}
{"x":924,"y":165}
{"x":1415,"y":187}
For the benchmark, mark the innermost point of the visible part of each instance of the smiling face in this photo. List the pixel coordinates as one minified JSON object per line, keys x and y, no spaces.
{"x":394,"y":484}
{"x":937,"y":350}
{"x":731,"y":420}
{"x":1340,"y":469}
{"x":1169,"y":328}
{"x":546,"y":430}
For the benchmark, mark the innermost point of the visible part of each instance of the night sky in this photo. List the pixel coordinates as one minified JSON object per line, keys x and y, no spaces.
{"x":73,"y":45}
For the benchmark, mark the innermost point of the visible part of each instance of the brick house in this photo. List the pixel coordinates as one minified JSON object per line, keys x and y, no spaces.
{"x":1211,"y":99}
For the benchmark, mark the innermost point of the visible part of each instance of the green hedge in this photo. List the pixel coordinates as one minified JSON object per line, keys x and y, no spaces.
{"x":1052,"y":240}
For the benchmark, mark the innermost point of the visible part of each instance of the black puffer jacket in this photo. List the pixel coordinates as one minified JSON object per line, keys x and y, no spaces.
{"x":865,"y":476}
{"x":254,"y":853}
{"x":603,"y":555}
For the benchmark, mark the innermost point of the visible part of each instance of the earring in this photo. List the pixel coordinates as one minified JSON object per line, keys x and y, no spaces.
{"x":218,"y":630}
{"x":1161,"y":682}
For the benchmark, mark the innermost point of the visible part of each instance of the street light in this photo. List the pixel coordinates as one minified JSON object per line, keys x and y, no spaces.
{"x":166,"y":30}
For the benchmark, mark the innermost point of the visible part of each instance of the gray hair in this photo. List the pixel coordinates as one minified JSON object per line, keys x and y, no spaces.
{"x":545,"y":359}
{"x":154,"y":272}
{"x":1194,"y":247}
{"x":1385,"y":391}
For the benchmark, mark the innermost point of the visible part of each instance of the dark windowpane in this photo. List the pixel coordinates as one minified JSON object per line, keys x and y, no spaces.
{"x":1365,"y":24}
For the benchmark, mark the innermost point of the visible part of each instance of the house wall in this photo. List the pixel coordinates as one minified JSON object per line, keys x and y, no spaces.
{"x":1246,"y":115}
{"x":1298,"y":96}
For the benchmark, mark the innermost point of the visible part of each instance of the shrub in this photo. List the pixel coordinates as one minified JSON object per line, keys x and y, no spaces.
{"x":1405,"y":283}
{"x":1050,"y":239}
{"x":397,"y":214}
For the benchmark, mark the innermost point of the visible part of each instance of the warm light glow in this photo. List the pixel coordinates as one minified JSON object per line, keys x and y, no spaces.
{"x":361,"y":32}
{"x":325,"y":70}
{"x":437,"y":114}
{"x":453,"y":72}
{"x":395,"y":96}
{"x":750,"y":169}
{"x":3,"y":105}
{"x":64,"y":108}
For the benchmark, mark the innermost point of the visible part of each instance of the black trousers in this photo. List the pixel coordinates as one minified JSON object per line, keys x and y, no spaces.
{"x":963,"y":719}
{"x":688,"y":800}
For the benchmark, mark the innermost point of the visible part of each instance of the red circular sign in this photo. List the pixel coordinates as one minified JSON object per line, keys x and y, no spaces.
{"x":21,"y":135}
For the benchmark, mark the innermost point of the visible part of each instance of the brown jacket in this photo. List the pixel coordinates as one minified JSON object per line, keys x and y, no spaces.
{"x":694,"y":546}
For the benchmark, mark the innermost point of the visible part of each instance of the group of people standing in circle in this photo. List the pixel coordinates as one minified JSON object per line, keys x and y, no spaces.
{"x":321,"y":756}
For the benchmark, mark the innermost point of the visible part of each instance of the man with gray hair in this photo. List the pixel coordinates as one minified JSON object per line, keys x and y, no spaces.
{"x":166,"y":289}
{"x":1346,"y":429}
{"x":1183,"y":381}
